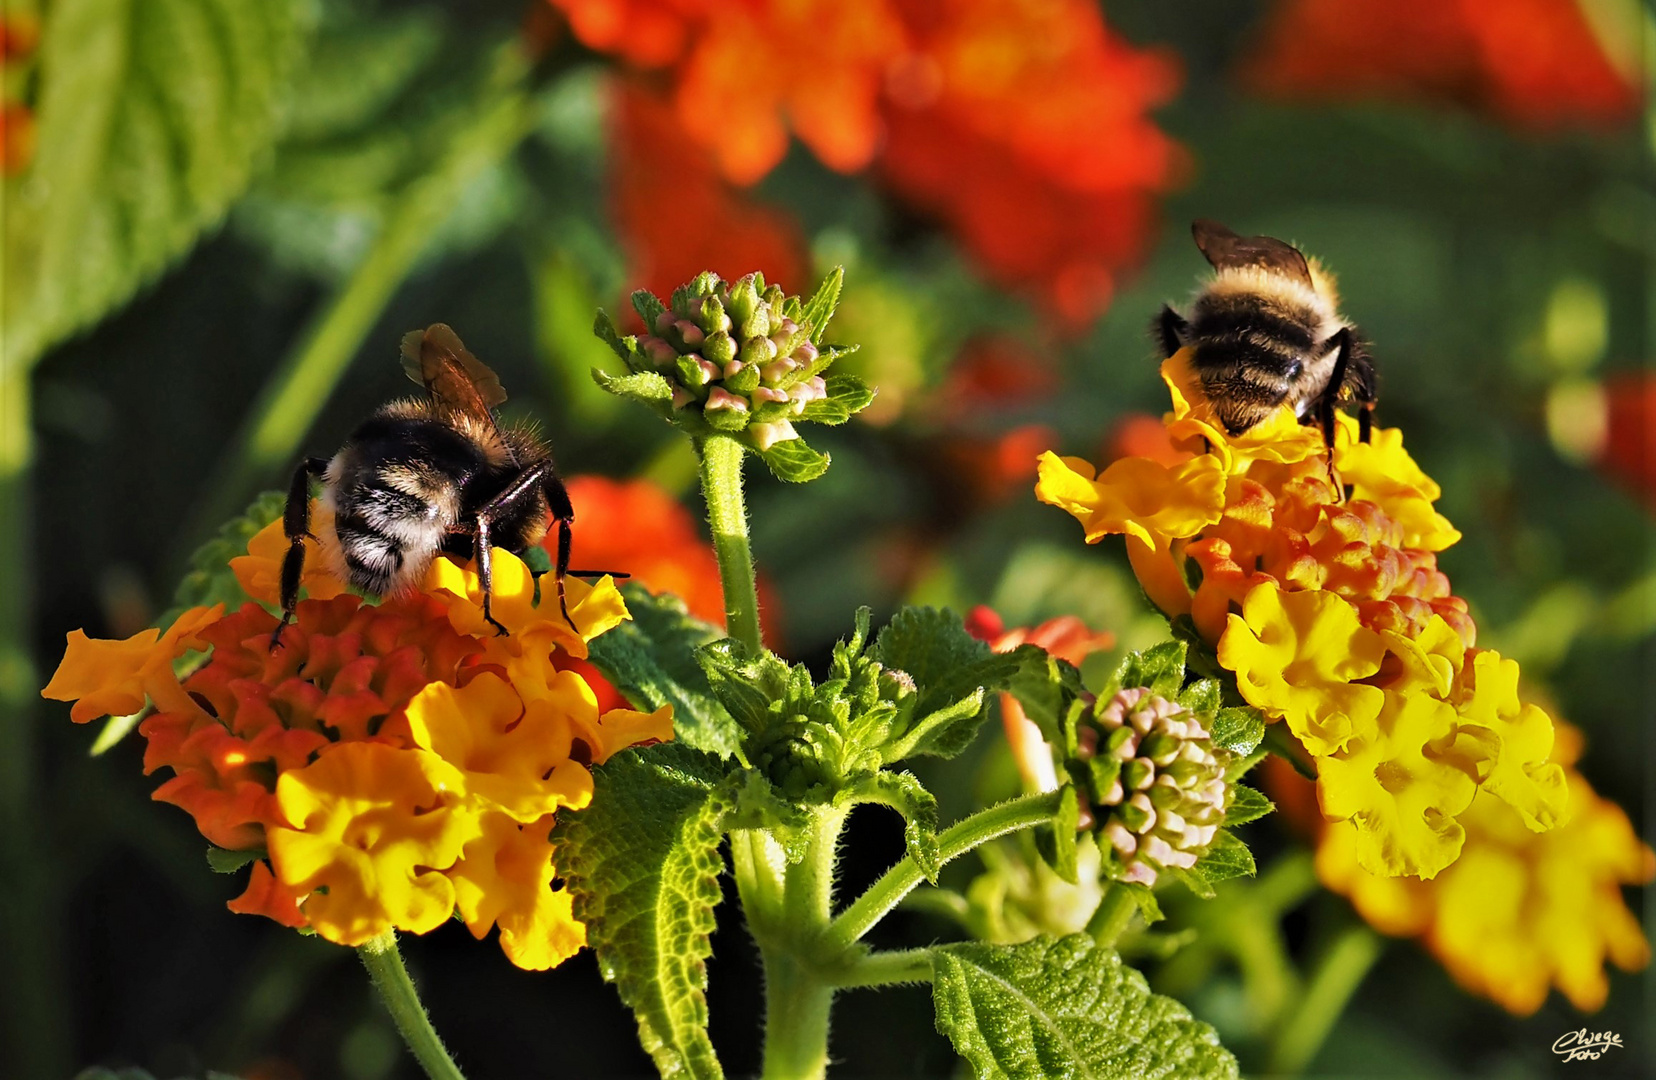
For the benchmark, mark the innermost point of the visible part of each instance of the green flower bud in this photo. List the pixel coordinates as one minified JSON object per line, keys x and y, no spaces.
{"x":757,"y":350}
{"x":719,"y":348}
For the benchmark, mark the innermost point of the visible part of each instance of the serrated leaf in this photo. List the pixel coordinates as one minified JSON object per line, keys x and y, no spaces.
{"x":225,"y":861}
{"x":1066,"y":1007}
{"x":819,"y":309}
{"x":652,"y":660}
{"x":794,"y":461}
{"x":645,"y":387}
{"x":1160,"y":669}
{"x":1247,"y":805}
{"x":729,"y":421}
{"x":151,"y":119}
{"x":1238,"y":768}
{"x":642,"y":864}
{"x":948,"y":666}
{"x":1149,"y":910}
{"x":1238,"y":729}
{"x":847,"y":395}
{"x":603,"y":327}
{"x":745,"y":685}
{"x":1045,"y":686}
{"x":1228,"y":857}
{"x":1201,"y":697}
{"x":649,"y":307}
{"x":904,"y":793}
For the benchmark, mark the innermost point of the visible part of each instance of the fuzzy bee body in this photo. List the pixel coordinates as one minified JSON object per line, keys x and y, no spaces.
{"x":429,"y":476}
{"x":1266,"y":331}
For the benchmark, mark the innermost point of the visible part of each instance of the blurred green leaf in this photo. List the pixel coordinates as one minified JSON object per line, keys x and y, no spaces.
{"x":152,"y":118}
{"x":1066,"y":1007}
{"x":642,"y":862}
{"x":794,"y":461}
{"x":225,"y":861}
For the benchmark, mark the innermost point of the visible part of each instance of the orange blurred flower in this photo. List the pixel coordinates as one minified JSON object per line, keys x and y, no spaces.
{"x":1629,"y":451}
{"x":677,"y":216}
{"x":1021,"y":126}
{"x":1067,"y":638}
{"x":1533,"y":63}
{"x":635,"y":526}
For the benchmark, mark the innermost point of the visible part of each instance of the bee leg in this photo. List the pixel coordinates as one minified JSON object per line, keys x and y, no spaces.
{"x":483,"y":559}
{"x":1170,"y":329}
{"x":1365,"y":422}
{"x":296,"y":527}
{"x":1328,"y":406}
{"x":557,"y":497}
{"x":535,"y":474}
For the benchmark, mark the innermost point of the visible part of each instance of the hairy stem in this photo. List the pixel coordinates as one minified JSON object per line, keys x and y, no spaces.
{"x":721,"y":473}
{"x":1115,"y":911}
{"x":797,"y":996}
{"x":888,"y":969}
{"x":282,"y":414}
{"x":894,"y":884}
{"x":1339,"y":972}
{"x":396,"y":989}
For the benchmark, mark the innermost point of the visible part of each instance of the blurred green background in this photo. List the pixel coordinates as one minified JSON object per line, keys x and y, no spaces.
{"x":406,"y":168}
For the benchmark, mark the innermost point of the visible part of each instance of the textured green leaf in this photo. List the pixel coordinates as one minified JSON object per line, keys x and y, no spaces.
{"x":1229,"y":857}
{"x":1246,"y":805}
{"x":642,"y":863}
{"x":1238,"y":729}
{"x":604,"y":328}
{"x":1202,"y":697}
{"x":819,"y":309}
{"x":652,"y":660}
{"x":847,"y":396}
{"x":225,"y":861}
{"x":152,"y":117}
{"x":645,"y":387}
{"x":948,"y":666}
{"x":649,"y":306}
{"x":904,"y":793}
{"x":793,"y":460}
{"x":1066,"y":1007}
{"x":1045,"y":686}
{"x":1056,"y":842}
{"x":1160,"y":669}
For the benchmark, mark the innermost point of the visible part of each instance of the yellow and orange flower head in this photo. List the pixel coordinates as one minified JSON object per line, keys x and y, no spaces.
{"x":1520,"y":911}
{"x":380,"y":748}
{"x":1327,"y":604}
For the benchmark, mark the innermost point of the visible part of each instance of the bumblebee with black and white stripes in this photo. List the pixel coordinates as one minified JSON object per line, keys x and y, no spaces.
{"x":426,"y":476}
{"x":1266,"y":331}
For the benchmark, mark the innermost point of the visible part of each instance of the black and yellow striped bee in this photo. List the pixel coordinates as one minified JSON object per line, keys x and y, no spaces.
{"x":429,"y":475}
{"x":1266,"y":331}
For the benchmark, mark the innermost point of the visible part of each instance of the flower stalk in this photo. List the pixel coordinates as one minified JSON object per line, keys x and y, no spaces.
{"x":721,"y":473}
{"x":385,"y":966}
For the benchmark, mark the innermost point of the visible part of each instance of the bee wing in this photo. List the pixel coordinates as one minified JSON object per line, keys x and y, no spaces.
{"x":1224,"y":249}
{"x":435,"y":358}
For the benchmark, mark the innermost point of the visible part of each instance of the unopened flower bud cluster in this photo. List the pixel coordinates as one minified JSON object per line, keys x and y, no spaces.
{"x":732,"y":352}
{"x":1151,"y":784}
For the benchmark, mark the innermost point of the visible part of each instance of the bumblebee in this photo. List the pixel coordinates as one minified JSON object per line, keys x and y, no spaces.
{"x":1266,"y":331}
{"x":429,"y":476}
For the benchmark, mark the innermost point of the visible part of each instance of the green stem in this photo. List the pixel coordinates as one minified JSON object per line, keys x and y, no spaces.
{"x":282,"y":414}
{"x":798,"y":997}
{"x":894,"y":884}
{"x":888,"y":969}
{"x":1115,"y":911}
{"x":1341,"y":970}
{"x":35,"y":1015}
{"x":721,"y":472}
{"x":396,"y":989}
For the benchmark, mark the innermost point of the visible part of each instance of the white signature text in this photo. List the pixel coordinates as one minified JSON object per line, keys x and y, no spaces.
{"x":1585,"y":1045}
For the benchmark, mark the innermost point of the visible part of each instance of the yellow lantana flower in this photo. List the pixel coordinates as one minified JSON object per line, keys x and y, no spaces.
{"x":369,"y":830}
{"x":1382,"y":472}
{"x":112,"y":678}
{"x":594,"y":608}
{"x":1296,"y":655}
{"x":1135,"y":496}
{"x":259,"y":572}
{"x":505,"y":878}
{"x":1521,"y":775}
{"x":1402,"y":786}
{"x":1519,"y":911}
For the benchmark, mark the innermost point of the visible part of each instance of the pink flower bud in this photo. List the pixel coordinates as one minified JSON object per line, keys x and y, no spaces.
{"x":733,"y":367}
{"x":766,"y":436}
{"x":721,"y":398}
{"x":806,"y":352}
{"x":768,"y":393}
{"x":664,"y":323}
{"x":690,"y":333}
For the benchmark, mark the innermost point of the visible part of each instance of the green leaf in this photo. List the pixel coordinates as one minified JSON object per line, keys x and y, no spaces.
{"x":1238,"y":729}
{"x":1160,"y":669}
{"x":1247,"y":805}
{"x":819,"y":309}
{"x":642,"y":863}
{"x":1066,"y":1007}
{"x":604,"y":328}
{"x":948,"y":666}
{"x":151,"y":119}
{"x":209,"y":580}
{"x":1045,"y":686}
{"x":649,"y":306}
{"x":652,"y":660}
{"x":1226,"y":859}
{"x":847,"y":395}
{"x":1056,"y":842}
{"x":645,"y":387}
{"x":1149,"y":910}
{"x":793,"y":460}
{"x":1201,"y":697}
{"x":1238,"y":768}
{"x":903,"y":792}
{"x":225,"y":861}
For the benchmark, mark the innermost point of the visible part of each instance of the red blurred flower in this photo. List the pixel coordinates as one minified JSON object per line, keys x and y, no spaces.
{"x":1629,"y":451}
{"x":636,"y":527}
{"x":1533,"y":63}
{"x":1022,"y":126}
{"x":677,"y":215}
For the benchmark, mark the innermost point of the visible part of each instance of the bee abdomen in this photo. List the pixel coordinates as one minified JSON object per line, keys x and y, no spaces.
{"x":373,"y":560}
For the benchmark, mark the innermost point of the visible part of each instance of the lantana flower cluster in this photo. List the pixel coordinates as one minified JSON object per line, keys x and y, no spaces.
{"x":387,"y":766}
{"x":1520,"y":910}
{"x":1318,"y":588}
